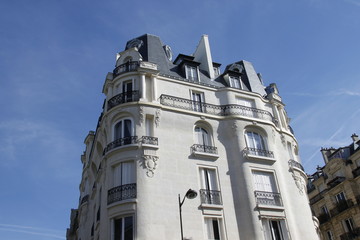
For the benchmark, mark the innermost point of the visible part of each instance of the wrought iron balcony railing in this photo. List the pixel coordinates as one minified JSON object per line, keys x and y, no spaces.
{"x":204,"y":148}
{"x":84,"y":199}
{"x":293,"y":163}
{"x":323,"y":218}
{"x":126,"y":67}
{"x":318,"y":197}
{"x":121,"y":142}
{"x":210,"y":197}
{"x":352,"y":235}
{"x":120,"y":193}
{"x":132,"y":96}
{"x":341,"y":206}
{"x":356,"y":172}
{"x":218,"y":110}
{"x":337,"y":180}
{"x":149,"y":140}
{"x":268,"y":198}
{"x":258,"y":152}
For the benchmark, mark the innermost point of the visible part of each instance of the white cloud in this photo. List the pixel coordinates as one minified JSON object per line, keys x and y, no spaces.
{"x":50,"y":233}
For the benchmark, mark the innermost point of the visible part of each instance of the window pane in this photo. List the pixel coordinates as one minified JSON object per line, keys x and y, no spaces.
{"x":127,"y":128}
{"x":118,"y":229}
{"x":118,"y":130}
{"x":128,"y":228}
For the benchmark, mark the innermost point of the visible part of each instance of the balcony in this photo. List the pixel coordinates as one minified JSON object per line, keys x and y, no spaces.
{"x":352,"y":235}
{"x":293,"y":163}
{"x":217,"y":110}
{"x":126,"y":67}
{"x":131,"y":96}
{"x":210,"y":197}
{"x":335,"y":181}
{"x":84,"y":199}
{"x":356,"y":172}
{"x":268,"y":198}
{"x":121,"y":142}
{"x":147,"y":140}
{"x":120,"y":193}
{"x":255,"y":152}
{"x":323,"y":218}
{"x":318,"y":197}
{"x":341,"y":206}
{"x":201,"y":149}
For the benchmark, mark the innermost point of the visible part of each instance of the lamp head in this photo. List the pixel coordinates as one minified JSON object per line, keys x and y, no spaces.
{"x":191,"y":194}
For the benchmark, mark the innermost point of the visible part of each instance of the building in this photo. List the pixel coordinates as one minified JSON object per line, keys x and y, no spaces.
{"x":334,"y":192}
{"x":168,"y":126}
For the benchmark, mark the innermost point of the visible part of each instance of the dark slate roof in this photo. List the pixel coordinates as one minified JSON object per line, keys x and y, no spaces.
{"x":153,"y":50}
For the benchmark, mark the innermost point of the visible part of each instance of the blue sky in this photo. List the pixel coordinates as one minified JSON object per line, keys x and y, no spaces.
{"x":54,"y":56}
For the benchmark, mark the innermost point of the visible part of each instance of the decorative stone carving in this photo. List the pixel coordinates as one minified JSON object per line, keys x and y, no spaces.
{"x":150,"y":163}
{"x":300,"y":183}
{"x":234,"y":128}
{"x":283,"y":139}
{"x":141,"y":115}
{"x":157,"y":117}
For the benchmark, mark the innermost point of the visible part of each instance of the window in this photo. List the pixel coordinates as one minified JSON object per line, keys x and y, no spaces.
{"x":265,"y":189}
{"x":348,"y":225}
{"x":123,"y":228}
{"x":124,"y":182}
{"x":213,"y":229}
{"x":235,"y":82}
{"x":290,"y":151}
{"x":216,"y":71}
{"x":127,"y":90}
{"x":340,"y":197}
{"x":256,"y":144}
{"x":275,"y":229}
{"x":198,"y":101}
{"x":191,"y":73}
{"x":209,"y":192}
{"x":329,"y":235}
{"x":123,"y":130}
{"x":202,"y":136}
{"x":324,"y":210}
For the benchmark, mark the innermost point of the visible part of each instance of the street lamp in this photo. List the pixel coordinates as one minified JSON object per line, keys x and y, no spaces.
{"x":190,"y":194}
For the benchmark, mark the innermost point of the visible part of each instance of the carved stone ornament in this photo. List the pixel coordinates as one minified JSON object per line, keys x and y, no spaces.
{"x":234,"y":128}
{"x":157,"y":117}
{"x":150,"y":163}
{"x":283,"y":139}
{"x":141,"y":115}
{"x":300,"y":183}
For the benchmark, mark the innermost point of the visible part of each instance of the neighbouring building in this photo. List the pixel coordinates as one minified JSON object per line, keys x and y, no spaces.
{"x":334,"y":192}
{"x":168,"y":126}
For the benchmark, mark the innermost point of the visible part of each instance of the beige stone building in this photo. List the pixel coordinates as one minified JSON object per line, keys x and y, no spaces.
{"x":170,"y":125}
{"x":334,"y":192}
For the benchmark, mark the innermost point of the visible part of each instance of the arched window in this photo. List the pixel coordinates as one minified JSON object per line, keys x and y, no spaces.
{"x":202,"y":136}
{"x":124,"y":132}
{"x":256,"y":144}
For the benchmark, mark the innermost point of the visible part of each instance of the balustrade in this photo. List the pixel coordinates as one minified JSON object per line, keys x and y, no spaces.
{"x":123,"y":192}
{"x":268,"y":198}
{"x":204,"y":148}
{"x":210,"y":196}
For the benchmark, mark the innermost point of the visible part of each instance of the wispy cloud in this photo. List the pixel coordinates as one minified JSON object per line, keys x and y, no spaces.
{"x":50,"y":233}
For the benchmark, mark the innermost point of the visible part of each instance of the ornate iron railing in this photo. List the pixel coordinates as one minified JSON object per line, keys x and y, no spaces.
{"x":341,"y":206}
{"x":210,"y":196}
{"x":356,"y":172}
{"x":318,"y":197}
{"x":323,"y":218}
{"x":121,"y":142}
{"x":352,"y":235}
{"x":268,"y":198}
{"x":258,"y":152}
{"x":337,"y":180}
{"x":132,"y":96}
{"x":149,"y":140}
{"x":84,"y":199}
{"x":293,"y":163}
{"x":218,"y":110}
{"x":120,"y":193}
{"x":204,"y":148}
{"x":126,"y":67}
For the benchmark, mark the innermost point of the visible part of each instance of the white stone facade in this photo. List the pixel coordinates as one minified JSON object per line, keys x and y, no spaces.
{"x":168,"y":127}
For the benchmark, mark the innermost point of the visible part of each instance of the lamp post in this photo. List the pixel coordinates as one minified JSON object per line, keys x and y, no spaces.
{"x":190,"y":194}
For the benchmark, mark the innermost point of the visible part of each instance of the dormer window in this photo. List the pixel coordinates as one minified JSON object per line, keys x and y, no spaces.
{"x":235,"y":82}
{"x":191,"y":73}
{"x":216,"y":71}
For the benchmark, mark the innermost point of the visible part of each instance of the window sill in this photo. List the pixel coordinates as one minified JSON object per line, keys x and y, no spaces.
{"x":258,"y":157}
{"x":205,"y":155}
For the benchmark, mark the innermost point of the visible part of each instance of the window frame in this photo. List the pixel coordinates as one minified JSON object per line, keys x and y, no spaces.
{"x":220,"y":228}
{"x":192,"y":73}
{"x":235,"y":82}
{"x":123,"y":230}
{"x":122,"y":131}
